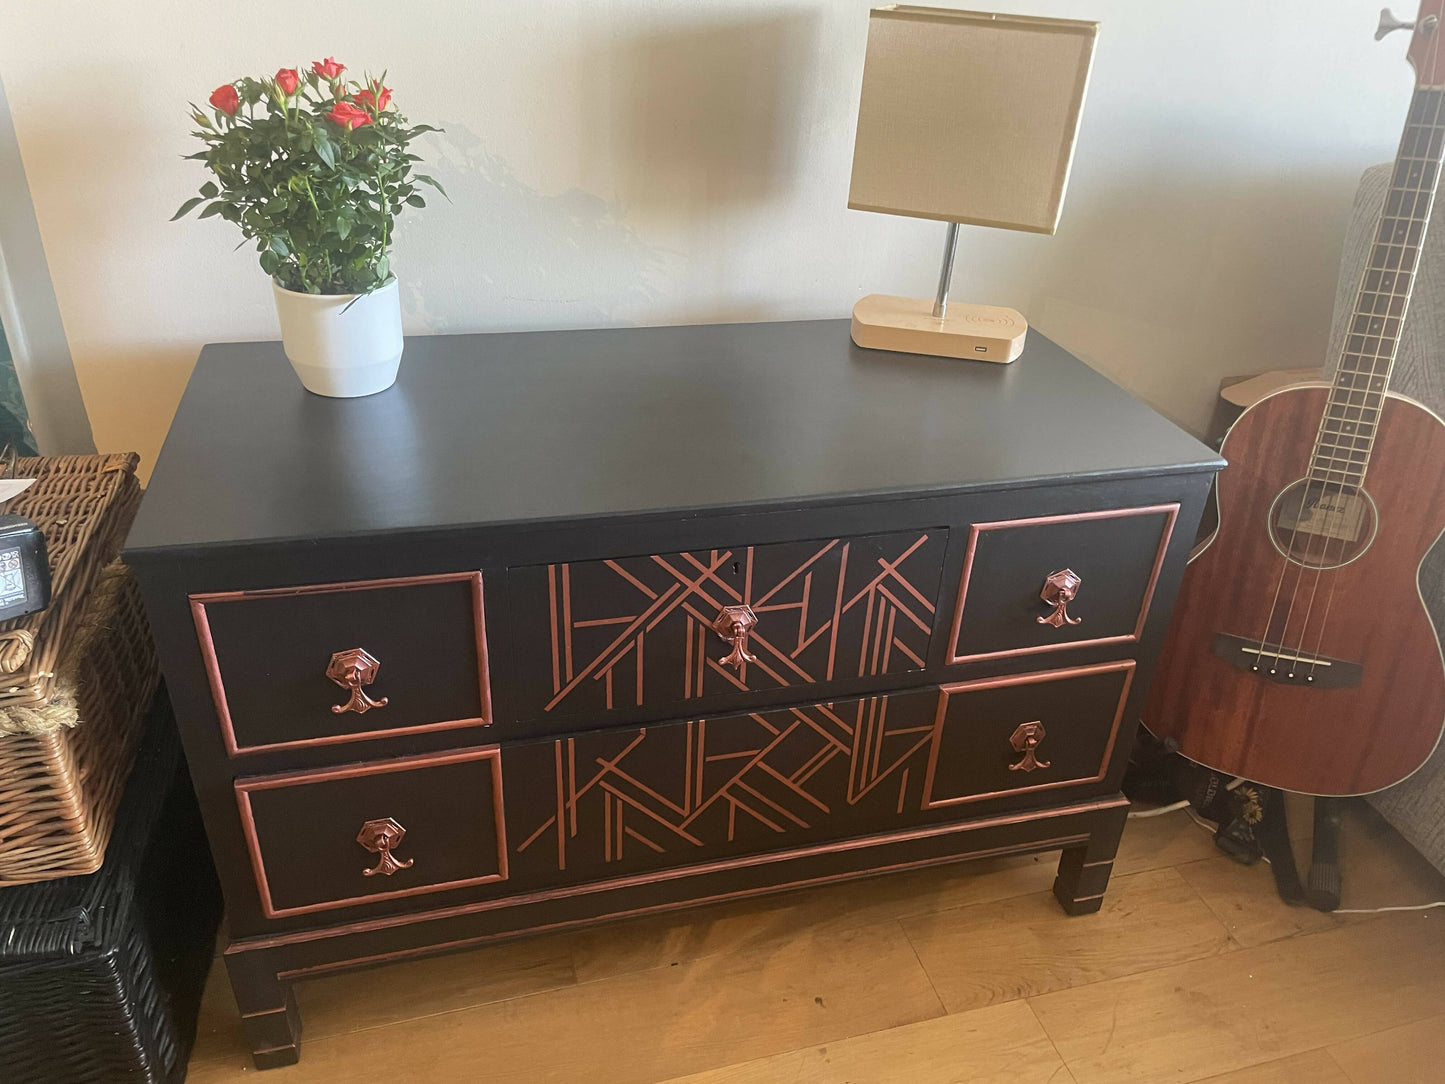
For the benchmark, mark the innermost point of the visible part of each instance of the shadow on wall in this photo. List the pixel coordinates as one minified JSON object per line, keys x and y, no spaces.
{"x":700,"y":119}
{"x":504,"y":256}
{"x":691,"y":123}
{"x":1254,"y":292}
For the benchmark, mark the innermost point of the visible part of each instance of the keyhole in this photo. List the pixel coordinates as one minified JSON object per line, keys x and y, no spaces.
{"x":735,"y":568}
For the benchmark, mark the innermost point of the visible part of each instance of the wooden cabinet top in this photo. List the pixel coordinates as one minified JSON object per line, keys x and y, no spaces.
{"x":533,"y":427}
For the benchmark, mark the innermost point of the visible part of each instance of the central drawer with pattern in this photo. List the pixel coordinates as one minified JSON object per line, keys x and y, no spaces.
{"x":594,"y":638}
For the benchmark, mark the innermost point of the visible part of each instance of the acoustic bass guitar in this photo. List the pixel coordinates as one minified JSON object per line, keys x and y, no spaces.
{"x":1302,"y":656}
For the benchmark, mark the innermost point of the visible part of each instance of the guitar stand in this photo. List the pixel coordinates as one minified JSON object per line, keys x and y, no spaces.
{"x":1322,"y":888}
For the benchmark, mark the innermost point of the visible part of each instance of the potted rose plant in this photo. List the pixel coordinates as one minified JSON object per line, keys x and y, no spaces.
{"x":314,"y":169}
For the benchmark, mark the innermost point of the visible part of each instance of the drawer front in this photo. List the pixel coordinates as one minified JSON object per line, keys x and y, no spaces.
{"x":1030,"y":732}
{"x":360,"y":833}
{"x":300,"y":666}
{"x":639,"y":632}
{"x":626,"y":801}
{"x":1097,"y":569}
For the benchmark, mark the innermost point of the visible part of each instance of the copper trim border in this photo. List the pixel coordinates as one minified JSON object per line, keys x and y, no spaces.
{"x":1037,"y":677}
{"x":1054,"y":843}
{"x":199,"y":602}
{"x":244,"y":787}
{"x":1098,"y":805}
{"x":1172,"y":513}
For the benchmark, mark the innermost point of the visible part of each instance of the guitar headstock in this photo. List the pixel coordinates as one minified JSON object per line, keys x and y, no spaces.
{"x":1427,"y":40}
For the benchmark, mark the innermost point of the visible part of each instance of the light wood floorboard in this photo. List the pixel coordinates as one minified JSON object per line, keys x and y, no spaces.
{"x":1003,"y":1044}
{"x":1409,"y":1054}
{"x":994,"y":952}
{"x":1193,"y":971}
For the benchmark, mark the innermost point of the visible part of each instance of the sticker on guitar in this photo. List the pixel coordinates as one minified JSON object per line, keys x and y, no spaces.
{"x":1322,"y":525}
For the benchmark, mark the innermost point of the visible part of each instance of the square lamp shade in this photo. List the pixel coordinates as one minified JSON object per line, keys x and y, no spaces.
{"x":970,"y":117}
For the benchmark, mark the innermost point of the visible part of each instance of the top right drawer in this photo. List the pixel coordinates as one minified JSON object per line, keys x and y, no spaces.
{"x":1051,"y":583}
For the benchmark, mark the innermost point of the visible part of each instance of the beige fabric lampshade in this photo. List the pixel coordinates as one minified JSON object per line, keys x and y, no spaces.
{"x":969,"y":117}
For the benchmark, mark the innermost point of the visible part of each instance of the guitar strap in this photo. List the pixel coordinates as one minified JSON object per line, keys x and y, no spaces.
{"x":1322,"y":892}
{"x":1272,"y":832}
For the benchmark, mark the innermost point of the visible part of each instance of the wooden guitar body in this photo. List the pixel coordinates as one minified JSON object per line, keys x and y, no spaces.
{"x":1356,"y":700}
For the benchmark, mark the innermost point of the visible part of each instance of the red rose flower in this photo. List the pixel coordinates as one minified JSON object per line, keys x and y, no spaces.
{"x":286,"y":80}
{"x":378,"y":100}
{"x":328,"y":68}
{"x":225,"y":98}
{"x":348,"y":116}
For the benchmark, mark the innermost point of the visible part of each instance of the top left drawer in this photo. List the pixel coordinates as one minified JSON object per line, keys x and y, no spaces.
{"x":292,"y":667}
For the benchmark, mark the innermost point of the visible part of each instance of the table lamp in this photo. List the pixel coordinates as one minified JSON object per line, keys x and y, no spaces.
{"x":971,"y":117}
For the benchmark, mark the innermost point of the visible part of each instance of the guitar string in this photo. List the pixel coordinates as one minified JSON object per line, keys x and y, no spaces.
{"x":1320,"y":433}
{"x":1377,"y":384}
{"x":1334,"y":517}
{"x":1325,"y":482}
{"x":1427,"y":185}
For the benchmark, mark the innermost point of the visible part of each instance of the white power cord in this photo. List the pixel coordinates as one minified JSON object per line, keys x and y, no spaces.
{"x":1382,"y":910}
{"x":1158,"y":811}
{"x":1183,"y":803}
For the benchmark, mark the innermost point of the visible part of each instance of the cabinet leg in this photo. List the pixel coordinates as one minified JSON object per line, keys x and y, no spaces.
{"x":1084,"y":869}
{"x":269,"y":1016}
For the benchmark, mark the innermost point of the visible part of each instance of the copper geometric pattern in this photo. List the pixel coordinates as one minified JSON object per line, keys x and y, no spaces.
{"x":638,"y":631}
{"x":659,"y":795}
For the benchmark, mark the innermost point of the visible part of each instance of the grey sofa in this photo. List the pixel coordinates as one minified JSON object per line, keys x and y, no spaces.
{"x":1415,"y":807}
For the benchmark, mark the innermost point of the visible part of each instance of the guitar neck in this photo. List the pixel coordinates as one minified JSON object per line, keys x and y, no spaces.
{"x":1347,"y":432}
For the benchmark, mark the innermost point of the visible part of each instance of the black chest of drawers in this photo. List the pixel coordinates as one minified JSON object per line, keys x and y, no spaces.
{"x":578,"y":625}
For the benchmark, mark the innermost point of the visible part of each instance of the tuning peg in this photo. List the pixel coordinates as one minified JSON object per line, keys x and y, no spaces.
{"x":1389,"y":24}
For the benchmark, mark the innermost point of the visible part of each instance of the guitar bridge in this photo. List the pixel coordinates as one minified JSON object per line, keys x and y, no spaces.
{"x":1273,"y":662}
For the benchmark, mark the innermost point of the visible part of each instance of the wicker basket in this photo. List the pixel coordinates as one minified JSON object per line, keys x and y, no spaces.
{"x":60,"y":782}
{"x":84,"y":505}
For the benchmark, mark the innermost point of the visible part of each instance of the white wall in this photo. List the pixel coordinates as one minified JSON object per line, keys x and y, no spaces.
{"x":661,"y":161}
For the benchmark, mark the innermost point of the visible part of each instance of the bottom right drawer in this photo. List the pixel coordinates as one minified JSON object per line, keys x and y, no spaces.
{"x":1027,"y":732}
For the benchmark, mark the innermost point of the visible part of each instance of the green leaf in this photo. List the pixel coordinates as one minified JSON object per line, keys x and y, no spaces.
{"x":213,"y":209}
{"x":433,"y":182}
{"x":343,"y":227}
{"x":416,"y":201}
{"x":269,"y":262}
{"x":325,"y":149}
{"x":209,"y":190}
{"x":189,"y":206}
{"x":278,"y":245}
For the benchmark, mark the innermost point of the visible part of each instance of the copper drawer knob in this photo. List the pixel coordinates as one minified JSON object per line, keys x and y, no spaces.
{"x":379,"y":837}
{"x":1026,"y":740}
{"x":734,"y":624}
{"x":353,"y":669}
{"x":1059,"y":590}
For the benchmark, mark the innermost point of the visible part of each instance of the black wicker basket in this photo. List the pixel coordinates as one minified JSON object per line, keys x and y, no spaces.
{"x":101,"y":975}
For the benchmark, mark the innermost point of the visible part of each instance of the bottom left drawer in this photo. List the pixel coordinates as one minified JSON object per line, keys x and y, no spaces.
{"x":358,"y":833}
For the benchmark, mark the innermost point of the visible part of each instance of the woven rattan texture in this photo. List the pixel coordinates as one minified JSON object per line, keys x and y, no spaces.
{"x":100,"y":976}
{"x":59,"y":787}
{"x":83,"y":504}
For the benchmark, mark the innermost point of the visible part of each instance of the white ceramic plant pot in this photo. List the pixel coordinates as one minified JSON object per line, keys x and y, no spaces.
{"x":338,"y":350}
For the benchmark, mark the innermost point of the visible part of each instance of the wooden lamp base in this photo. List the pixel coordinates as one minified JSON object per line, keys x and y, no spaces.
{"x":907,"y":325}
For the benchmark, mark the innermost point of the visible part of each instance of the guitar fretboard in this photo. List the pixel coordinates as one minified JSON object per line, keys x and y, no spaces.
{"x":1347,"y":431}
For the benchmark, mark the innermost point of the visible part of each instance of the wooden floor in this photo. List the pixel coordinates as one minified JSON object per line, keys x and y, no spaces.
{"x":1192,"y":971}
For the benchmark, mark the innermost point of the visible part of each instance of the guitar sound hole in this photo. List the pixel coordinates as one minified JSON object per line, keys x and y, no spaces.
{"x":1322,"y":524}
